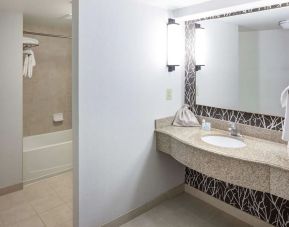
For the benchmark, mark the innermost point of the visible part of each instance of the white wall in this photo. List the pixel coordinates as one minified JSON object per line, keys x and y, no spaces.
{"x":10,"y":99}
{"x":264,"y":74}
{"x":122,"y":82}
{"x":221,"y":65}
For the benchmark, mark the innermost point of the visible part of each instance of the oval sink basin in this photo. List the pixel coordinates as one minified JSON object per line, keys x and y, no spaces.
{"x":223,"y":141}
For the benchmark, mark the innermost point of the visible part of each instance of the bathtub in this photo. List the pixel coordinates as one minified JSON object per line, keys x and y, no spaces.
{"x":46,"y":155}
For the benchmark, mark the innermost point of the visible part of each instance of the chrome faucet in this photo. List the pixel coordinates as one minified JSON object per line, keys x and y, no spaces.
{"x":233,"y":129}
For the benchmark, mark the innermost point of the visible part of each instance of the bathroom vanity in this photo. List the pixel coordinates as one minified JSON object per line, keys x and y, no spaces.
{"x":261,"y":165}
{"x":256,"y":174}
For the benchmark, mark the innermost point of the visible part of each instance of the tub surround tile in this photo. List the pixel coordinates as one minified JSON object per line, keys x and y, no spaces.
{"x":49,"y":90}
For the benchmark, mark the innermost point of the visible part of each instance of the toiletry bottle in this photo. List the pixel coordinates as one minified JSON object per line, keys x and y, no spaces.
{"x":203,"y":124}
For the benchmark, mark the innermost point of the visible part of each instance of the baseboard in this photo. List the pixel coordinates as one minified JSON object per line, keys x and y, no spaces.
{"x":10,"y":189}
{"x":243,"y":216}
{"x":146,"y":207}
{"x":31,"y":181}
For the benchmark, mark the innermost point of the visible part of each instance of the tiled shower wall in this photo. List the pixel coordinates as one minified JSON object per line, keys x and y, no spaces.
{"x":49,"y":90}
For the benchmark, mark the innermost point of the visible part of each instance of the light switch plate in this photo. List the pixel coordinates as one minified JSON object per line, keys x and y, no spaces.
{"x":169,"y":94}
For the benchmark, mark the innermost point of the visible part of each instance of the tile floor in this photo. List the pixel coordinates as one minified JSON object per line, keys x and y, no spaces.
{"x":47,"y":203}
{"x":185,"y":211}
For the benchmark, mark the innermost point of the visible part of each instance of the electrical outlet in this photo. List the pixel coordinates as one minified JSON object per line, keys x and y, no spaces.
{"x":169,"y":94}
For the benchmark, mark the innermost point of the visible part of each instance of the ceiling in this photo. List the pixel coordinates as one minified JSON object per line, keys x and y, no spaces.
{"x":174,"y":4}
{"x":38,"y":8}
{"x":54,"y":8}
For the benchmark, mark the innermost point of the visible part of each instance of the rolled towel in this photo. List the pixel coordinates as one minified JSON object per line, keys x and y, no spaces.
{"x":285,"y":104}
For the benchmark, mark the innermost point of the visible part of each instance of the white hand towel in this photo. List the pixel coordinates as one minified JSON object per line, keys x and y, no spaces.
{"x":29,"y":55}
{"x":25,"y":65}
{"x":285,"y":104}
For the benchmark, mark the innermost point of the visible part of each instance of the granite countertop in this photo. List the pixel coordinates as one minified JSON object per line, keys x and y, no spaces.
{"x":257,"y":150}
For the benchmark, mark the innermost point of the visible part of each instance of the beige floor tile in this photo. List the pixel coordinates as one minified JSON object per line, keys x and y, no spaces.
{"x":66,"y":224}
{"x":16,"y":214}
{"x":185,"y":211}
{"x":18,"y":198}
{"x":5,"y":202}
{"x":31,"y":222}
{"x":46,"y":203}
{"x":65,"y":193}
{"x":51,"y":199}
{"x":63,"y":180}
{"x":70,"y":205}
{"x":56,"y":216}
{"x":37,"y":190}
{"x":141,"y":221}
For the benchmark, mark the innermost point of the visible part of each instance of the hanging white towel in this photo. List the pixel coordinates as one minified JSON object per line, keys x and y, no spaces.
{"x":285,"y":104}
{"x":25,"y":65}
{"x":29,"y":63}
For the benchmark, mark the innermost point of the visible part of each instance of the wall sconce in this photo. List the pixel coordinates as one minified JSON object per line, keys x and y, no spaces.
{"x":174,"y":51}
{"x":200,"y":45}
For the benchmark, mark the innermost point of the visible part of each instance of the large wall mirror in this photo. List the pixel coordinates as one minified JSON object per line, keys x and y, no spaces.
{"x":246,"y":60}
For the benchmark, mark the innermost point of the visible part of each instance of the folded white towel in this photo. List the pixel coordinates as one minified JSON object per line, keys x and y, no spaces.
{"x":285,"y":104}
{"x":29,"y":63}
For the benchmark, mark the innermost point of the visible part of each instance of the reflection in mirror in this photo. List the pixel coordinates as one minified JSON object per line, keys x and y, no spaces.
{"x":246,"y":60}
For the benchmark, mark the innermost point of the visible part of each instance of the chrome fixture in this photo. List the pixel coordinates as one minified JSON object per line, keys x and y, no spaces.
{"x":233,"y":129}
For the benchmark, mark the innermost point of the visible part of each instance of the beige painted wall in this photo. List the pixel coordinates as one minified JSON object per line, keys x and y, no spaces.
{"x":49,"y":90}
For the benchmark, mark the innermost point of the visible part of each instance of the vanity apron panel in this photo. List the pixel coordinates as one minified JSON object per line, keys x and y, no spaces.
{"x":230,"y":170}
